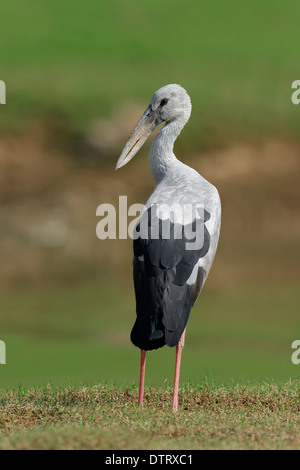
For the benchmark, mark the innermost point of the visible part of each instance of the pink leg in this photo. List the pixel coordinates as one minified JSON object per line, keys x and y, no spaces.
{"x":179,"y":349}
{"x":142,"y":376}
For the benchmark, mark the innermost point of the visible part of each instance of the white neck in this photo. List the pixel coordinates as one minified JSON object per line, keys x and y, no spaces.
{"x":162,"y":157}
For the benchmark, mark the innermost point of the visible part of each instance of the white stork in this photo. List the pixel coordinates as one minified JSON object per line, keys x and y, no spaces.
{"x":168,"y":273}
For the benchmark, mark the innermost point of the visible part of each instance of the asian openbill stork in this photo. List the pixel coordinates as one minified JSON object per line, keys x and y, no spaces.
{"x":169,"y":271}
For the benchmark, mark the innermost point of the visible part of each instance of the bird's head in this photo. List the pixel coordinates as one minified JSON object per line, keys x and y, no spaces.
{"x":169,"y":103}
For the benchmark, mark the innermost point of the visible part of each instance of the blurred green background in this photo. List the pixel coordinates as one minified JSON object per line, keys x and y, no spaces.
{"x":78,"y":76}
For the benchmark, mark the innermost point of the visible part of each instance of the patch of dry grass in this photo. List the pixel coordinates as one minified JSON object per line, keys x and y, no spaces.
{"x":108,"y":417}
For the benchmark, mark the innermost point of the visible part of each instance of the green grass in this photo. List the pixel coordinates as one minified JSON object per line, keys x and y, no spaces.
{"x":82,"y":335}
{"x":237,"y":416}
{"x":84,"y":60}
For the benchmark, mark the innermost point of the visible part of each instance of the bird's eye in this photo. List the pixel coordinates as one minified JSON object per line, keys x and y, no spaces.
{"x":163,"y":102}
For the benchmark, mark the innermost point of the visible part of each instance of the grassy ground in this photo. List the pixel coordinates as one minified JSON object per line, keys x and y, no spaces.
{"x":81,"y":62}
{"x":262,"y":416}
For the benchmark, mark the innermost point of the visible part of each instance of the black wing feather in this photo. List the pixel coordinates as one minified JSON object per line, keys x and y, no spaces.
{"x":161,"y":269}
